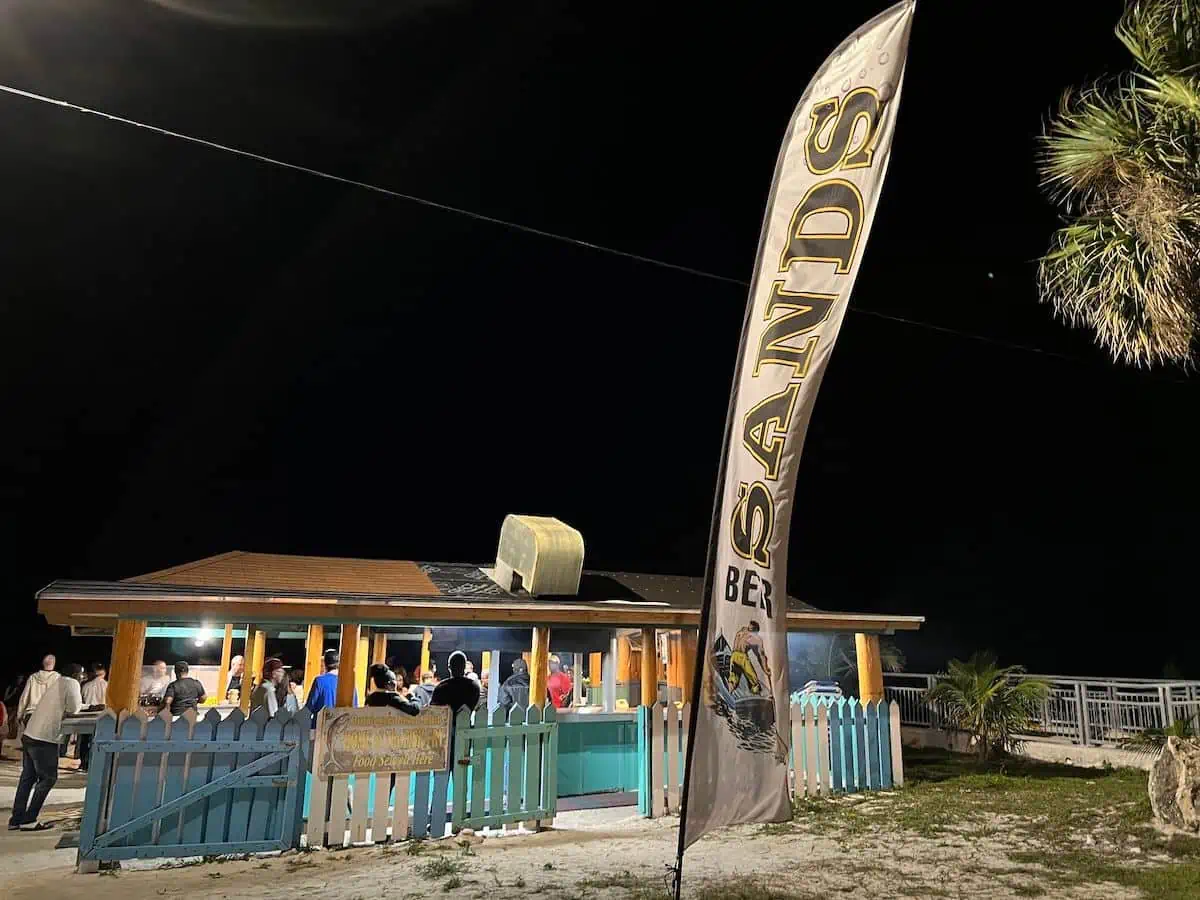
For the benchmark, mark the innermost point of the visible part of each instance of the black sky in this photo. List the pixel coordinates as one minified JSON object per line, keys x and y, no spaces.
{"x":201,"y":353}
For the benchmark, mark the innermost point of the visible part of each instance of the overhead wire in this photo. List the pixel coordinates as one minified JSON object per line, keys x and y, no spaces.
{"x":496,"y":220}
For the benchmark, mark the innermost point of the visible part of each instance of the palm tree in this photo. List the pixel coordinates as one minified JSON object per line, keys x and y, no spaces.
{"x":989,"y":702}
{"x":1122,"y":159}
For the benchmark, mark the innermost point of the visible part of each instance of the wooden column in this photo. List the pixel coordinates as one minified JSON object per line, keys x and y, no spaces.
{"x":256,"y":655}
{"x":226,"y":656}
{"x":649,"y":668}
{"x":362,"y":665}
{"x":674,"y":672}
{"x":379,"y":647}
{"x":595,"y":671}
{"x":125,"y":670}
{"x":425,"y":639}
{"x":870,"y":668}
{"x":314,"y":653}
{"x":348,"y":677}
{"x":687,"y":662}
{"x":539,"y":665}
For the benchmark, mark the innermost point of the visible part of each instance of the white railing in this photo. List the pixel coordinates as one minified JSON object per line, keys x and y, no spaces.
{"x":1084,"y":711}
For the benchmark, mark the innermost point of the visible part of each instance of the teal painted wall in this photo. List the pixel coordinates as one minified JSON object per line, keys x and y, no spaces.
{"x":594,"y":757}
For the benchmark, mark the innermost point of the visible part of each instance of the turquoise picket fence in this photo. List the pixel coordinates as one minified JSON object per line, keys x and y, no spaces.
{"x":503,"y":772}
{"x":163,"y":787}
{"x":837,"y":745}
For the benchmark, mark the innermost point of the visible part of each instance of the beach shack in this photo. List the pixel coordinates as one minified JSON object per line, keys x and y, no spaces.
{"x":629,"y":641}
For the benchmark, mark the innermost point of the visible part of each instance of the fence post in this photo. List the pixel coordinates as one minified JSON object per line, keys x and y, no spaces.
{"x":1164,"y":699}
{"x":935,"y":718}
{"x":1081,"y":712}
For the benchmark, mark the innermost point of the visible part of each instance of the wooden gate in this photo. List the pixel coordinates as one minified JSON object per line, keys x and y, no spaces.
{"x":163,"y":788}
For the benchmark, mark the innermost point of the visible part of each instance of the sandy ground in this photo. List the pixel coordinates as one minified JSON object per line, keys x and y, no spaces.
{"x":595,"y":854}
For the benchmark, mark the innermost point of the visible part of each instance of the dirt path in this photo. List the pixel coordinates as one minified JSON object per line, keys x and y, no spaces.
{"x":620,"y":861}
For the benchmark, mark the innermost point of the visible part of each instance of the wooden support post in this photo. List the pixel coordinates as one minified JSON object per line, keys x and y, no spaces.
{"x":688,"y":640}
{"x":595,"y":674}
{"x":539,"y":666}
{"x":870,"y":668}
{"x":256,"y":643}
{"x":125,"y":670}
{"x":314,"y":653}
{"x":362,"y":665}
{"x":348,"y":677}
{"x":425,"y":639}
{"x":226,"y":656}
{"x":674,"y":672}
{"x":379,"y":647}
{"x":649,"y":668}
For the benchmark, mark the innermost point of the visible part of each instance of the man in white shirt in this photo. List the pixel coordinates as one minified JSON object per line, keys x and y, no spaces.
{"x":155,"y":685}
{"x":95,"y":695}
{"x":39,"y":747}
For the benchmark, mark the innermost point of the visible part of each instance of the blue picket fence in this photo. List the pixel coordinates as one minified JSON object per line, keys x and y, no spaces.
{"x":159,"y":787}
{"x":840,"y":745}
{"x":837,"y":745}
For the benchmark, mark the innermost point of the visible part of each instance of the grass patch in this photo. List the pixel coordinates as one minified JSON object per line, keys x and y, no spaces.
{"x":440,"y":867}
{"x":1052,"y":808}
{"x":451,"y":884}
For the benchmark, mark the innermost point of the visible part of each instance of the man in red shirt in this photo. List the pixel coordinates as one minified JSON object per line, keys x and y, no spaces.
{"x":559,"y":684}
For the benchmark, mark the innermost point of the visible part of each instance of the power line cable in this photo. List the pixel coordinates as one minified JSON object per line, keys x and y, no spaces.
{"x":494,"y":220}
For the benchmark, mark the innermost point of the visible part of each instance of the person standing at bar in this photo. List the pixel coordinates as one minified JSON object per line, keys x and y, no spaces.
{"x":272,"y":686}
{"x":95,"y":695}
{"x":237,"y":667}
{"x":559,"y":684}
{"x":183,"y":693}
{"x":385,"y":693}
{"x":39,"y":745}
{"x":324,"y":687}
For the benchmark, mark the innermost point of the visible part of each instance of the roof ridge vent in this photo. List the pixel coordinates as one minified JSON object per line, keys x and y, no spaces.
{"x":538,"y":555}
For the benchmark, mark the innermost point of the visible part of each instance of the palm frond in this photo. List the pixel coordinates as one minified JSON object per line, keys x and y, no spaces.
{"x":1123,"y":157}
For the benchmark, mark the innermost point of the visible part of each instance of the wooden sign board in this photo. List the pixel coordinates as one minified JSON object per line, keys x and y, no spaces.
{"x":358,"y":741}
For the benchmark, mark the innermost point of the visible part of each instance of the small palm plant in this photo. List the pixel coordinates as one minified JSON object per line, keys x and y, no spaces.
{"x":990,"y":703}
{"x":1154,"y":739}
{"x":1122,"y":159}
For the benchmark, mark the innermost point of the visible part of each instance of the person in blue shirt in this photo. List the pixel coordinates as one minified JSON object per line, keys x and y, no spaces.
{"x":324,"y":687}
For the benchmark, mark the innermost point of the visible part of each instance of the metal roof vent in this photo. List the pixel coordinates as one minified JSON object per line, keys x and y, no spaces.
{"x":538,"y":555}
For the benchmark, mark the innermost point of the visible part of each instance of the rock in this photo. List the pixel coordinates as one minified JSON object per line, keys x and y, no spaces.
{"x":1175,"y":785}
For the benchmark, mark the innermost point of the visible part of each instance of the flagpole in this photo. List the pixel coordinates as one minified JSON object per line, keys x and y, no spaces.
{"x":715,"y":526}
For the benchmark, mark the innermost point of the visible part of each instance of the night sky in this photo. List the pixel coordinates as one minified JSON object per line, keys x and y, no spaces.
{"x":201,"y":353}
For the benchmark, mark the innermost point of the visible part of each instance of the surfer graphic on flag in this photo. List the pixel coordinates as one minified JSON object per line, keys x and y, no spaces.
{"x":747,"y":643}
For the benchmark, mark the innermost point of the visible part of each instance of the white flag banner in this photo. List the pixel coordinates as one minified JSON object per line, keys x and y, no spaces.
{"x":827,"y":183}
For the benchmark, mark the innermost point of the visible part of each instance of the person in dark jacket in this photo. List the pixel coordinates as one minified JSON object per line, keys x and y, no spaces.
{"x":458,"y":690}
{"x":422,"y":694}
{"x":515,"y":689}
{"x":385,"y":693}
